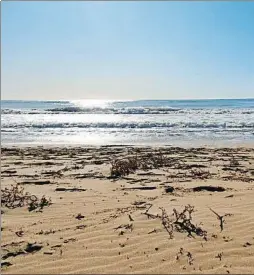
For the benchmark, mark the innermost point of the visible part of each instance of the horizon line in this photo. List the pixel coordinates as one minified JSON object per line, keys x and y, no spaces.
{"x":144,"y":99}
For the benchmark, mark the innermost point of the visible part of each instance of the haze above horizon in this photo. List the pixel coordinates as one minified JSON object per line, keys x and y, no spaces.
{"x":118,"y":50}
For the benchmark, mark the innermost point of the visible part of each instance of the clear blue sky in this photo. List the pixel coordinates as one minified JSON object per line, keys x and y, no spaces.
{"x":127,"y":50}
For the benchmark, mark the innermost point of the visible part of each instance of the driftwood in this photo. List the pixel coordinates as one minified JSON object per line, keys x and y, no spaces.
{"x":69,"y":189}
{"x":140,"y":188}
{"x":209,"y":188}
{"x":41,"y":182}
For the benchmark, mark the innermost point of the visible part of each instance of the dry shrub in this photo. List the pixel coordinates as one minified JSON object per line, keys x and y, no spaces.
{"x":151,"y":161}
{"x":200,"y":174}
{"x":39,"y":204}
{"x":182,"y":222}
{"x":123,"y":167}
{"x":15,"y":196}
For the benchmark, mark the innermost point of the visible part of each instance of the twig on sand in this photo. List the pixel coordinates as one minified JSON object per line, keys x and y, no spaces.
{"x":179,"y":253}
{"x":220,"y":218}
{"x":190,"y":258}
{"x":153,"y":231}
{"x":167,"y":223}
{"x":131,"y":219}
{"x":219,"y":256}
{"x":152,"y":216}
{"x":125,"y":226}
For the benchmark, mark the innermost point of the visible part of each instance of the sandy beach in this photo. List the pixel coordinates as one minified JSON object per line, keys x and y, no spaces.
{"x":124,"y":209}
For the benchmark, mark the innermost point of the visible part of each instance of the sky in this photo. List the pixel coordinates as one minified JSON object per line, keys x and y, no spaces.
{"x":127,"y":50}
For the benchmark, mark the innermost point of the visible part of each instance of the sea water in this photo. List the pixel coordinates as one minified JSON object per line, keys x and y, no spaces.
{"x":142,"y":122}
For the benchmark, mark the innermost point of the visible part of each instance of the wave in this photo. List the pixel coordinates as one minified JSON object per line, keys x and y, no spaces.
{"x":126,"y":110}
{"x":79,"y":110}
{"x":11,"y":111}
{"x":135,"y":125}
{"x":20,"y":112}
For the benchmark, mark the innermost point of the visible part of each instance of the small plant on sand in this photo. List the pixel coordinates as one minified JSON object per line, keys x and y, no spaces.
{"x":200,"y":174}
{"x":39,"y":204}
{"x":15,"y":196}
{"x":123,"y":167}
{"x":183,"y":222}
{"x":179,"y":222}
{"x":220,"y":218}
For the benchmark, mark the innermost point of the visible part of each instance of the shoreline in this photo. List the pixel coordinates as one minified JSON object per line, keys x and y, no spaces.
{"x":187,"y":144}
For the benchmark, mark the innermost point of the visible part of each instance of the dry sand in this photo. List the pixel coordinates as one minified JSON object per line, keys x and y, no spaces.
{"x":112,"y":234}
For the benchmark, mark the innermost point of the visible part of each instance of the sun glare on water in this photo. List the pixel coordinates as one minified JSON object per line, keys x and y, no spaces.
{"x":92,"y":103}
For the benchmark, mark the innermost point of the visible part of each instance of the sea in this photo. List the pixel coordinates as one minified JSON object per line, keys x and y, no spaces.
{"x":132,"y":122}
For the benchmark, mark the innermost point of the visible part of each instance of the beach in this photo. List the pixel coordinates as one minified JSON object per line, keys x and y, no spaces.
{"x":127,"y":137}
{"x":127,"y":209}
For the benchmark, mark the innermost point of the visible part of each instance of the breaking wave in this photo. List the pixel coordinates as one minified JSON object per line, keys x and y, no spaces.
{"x":231,"y":125}
{"x":136,"y":110}
{"x":126,"y":110}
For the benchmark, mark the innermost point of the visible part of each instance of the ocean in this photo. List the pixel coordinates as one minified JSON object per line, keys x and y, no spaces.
{"x":142,"y":122}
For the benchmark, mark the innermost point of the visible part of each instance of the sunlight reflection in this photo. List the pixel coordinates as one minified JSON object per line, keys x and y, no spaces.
{"x":91,"y":103}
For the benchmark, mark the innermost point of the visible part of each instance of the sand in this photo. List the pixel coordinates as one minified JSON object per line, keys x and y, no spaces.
{"x":102,"y":224}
